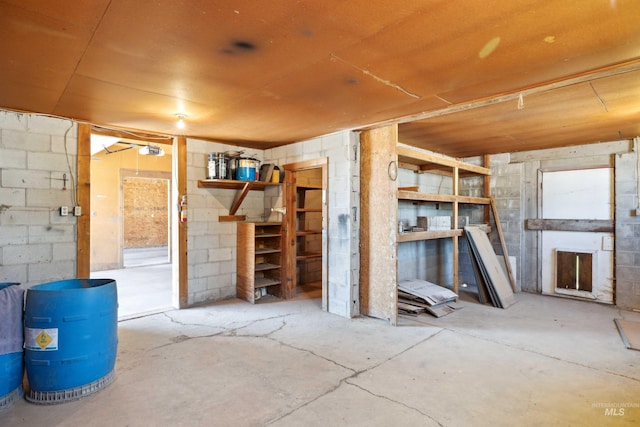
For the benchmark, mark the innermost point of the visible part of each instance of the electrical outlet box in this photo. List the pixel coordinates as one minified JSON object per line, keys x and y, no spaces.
{"x":77,"y":211}
{"x":64,"y":210}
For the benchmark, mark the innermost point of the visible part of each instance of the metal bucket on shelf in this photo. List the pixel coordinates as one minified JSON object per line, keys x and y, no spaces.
{"x":218,"y":166}
{"x":70,"y":339}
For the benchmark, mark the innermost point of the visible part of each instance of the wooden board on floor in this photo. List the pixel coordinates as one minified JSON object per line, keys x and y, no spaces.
{"x":629,"y":332}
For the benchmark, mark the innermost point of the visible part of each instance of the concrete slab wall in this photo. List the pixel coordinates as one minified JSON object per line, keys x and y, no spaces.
{"x":627,"y":243}
{"x":342,"y":152}
{"x":37,"y":245}
{"x":515,"y":185}
{"x":429,"y":259}
{"x":211,"y":244}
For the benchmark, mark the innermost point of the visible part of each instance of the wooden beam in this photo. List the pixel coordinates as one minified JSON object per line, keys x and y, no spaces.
{"x":599,"y":73}
{"x":441,"y":198}
{"x":83,"y":161}
{"x":240,"y":198}
{"x":417,"y":236}
{"x":505,"y":254}
{"x":583,"y":225}
{"x":420,"y":158}
{"x":454,"y":220}
{"x":180,"y":169}
{"x":378,"y":226}
{"x":231,"y":218}
{"x":136,"y":136}
{"x":487,"y":188}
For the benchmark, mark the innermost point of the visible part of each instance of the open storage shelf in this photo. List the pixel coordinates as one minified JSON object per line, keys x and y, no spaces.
{"x":259,"y":260}
{"x":231,"y":184}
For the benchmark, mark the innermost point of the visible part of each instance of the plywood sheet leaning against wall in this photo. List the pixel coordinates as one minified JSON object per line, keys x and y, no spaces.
{"x":378,"y":204}
{"x":494,"y":276}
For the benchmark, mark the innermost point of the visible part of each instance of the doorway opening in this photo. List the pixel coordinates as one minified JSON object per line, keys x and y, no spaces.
{"x":131,"y":222}
{"x":306,"y":225}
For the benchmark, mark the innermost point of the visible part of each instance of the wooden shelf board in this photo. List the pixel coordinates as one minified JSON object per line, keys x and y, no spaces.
{"x":263,"y":282}
{"x":447,"y":198}
{"x":309,"y":186}
{"x":231,"y":184}
{"x":308,"y":255}
{"x":266,"y":235}
{"x":232,"y":218}
{"x":262,"y":251}
{"x":267,"y":224}
{"x":303,"y":210}
{"x":308,"y":232}
{"x":427,"y":235}
{"x":432,"y":163}
{"x":266,"y":266}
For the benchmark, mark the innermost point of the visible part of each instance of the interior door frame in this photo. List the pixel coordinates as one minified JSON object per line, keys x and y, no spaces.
{"x":178,"y":188}
{"x":290,"y":224}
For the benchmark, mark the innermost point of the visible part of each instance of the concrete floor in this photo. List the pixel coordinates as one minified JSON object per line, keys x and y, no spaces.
{"x":544,"y":361}
{"x":144,"y":285}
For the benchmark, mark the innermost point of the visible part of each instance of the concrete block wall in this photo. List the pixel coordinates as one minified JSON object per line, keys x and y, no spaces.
{"x":515,"y":205}
{"x":342,"y":152}
{"x":211,"y":244}
{"x":627,"y":243}
{"x":431,"y":259}
{"x":507,"y":191}
{"x":37,"y":245}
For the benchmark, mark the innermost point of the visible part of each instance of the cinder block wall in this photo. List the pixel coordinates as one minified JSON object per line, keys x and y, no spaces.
{"x":211,"y":244}
{"x":430,"y":259}
{"x":515,"y":208}
{"x":627,"y":242}
{"x":37,"y":245}
{"x":342,"y":151}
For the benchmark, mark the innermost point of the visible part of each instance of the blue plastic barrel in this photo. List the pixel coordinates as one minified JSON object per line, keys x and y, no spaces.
{"x":70,"y":338}
{"x":11,"y":355}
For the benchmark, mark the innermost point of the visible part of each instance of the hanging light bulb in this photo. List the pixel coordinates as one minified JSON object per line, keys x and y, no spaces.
{"x":180,"y":123}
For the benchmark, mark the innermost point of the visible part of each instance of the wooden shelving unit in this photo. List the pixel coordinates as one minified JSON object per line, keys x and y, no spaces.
{"x":243,"y":186}
{"x":379,"y":201}
{"x":259,"y":260}
{"x":422,"y":162}
{"x":307,"y":229}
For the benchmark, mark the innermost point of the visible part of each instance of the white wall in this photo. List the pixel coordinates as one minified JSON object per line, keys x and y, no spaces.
{"x":37,"y":245}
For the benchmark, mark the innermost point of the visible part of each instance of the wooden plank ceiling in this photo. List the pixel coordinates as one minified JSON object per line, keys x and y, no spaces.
{"x":268,"y":73}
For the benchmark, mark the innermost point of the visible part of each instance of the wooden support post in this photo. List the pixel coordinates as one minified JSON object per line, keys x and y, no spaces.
{"x":379,"y":223}
{"x":505,"y":254}
{"x":487,"y":187}
{"x":83,"y":257}
{"x":180,"y":170}
{"x":454,"y":225}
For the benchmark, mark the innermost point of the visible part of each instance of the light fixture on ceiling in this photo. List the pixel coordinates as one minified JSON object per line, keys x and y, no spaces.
{"x":152,"y":150}
{"x":180,"y":123}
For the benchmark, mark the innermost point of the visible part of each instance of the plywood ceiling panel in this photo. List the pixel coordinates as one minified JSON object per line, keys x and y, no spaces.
{"x":602,"y":110}
{"x":273,"y":72}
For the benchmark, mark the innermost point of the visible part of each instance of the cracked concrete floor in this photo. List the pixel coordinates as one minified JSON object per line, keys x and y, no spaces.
{"x":543,"y":361}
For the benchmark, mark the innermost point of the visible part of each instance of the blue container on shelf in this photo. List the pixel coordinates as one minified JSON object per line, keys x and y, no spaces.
{"x":11,"y":354}
{"x":70,"y":339}
{"x":247,"y":169}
